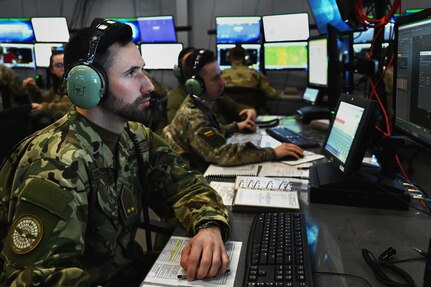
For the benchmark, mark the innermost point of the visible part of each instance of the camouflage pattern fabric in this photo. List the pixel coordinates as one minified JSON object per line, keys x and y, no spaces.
{"x":194,"y":135}
{"x":225,"y":109}
{"x":70,"y":208}
{"x":243,"y":76}
{"x":11,"y":84}
{"x":54,"y":105}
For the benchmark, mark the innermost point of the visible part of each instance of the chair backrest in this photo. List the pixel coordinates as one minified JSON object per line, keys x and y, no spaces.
{"x":14,"y":126}
{"x":252,"y":97}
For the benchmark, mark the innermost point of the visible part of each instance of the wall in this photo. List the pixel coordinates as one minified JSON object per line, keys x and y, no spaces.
{"x":199,"y":14}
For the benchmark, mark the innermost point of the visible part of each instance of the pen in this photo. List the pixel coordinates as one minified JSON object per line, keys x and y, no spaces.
{"x":421,"y":252}
{"x":183,"y":276}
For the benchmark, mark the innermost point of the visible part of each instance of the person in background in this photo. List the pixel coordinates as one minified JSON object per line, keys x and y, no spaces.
{"x":195,"y":132}
{"x":54,"y":103}
{"x":240,"y":75}
{"x":225,"y":109}
{"x":72,"y":194}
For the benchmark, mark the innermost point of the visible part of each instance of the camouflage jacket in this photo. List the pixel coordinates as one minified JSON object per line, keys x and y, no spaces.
{"x":225,"y":109}
{"x":70,"y":208}
{"x":196,"y":135}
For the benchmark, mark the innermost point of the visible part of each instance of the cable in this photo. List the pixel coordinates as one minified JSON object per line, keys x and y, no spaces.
{"x":343,"y":274}
{"x":382,"y":267}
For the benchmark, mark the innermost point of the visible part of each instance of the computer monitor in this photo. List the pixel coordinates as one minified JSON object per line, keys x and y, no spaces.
{"x":285,"y":55}
{"x":157,"y":29}
{"x":43,"y":52}
{"x":311,"y":95}
{"x":349,"y":133}
{"x":18,"y":55}
{"x":412,"y":74}
{"x":50,"y":29}
{"x":240,"y":29}
{"x":367,"y":35}
{"x":277,"y":28}
{"x":133,"y":23}
{"x":326,"y":11}
{"x":252,"y":56}
{"x":160,"y":56}
{"x":318,"y":62}
{"x":16,"y":30}
{"x":340,"y":55}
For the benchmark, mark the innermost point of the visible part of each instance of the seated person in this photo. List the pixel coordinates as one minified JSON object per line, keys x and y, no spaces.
{"x":54,"y":103}
{"x":73,"y":193}
{"x":196,"y":134}
{"x":240,"y":75}
{"x":226,"y":109}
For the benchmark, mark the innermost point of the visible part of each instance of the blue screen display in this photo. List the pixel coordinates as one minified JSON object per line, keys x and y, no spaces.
{"x":133,"y":23}
{"x":238,"y":29}
{"x":326,"y":11}
{"x":16,"y":30}
{"x":160,"y":29}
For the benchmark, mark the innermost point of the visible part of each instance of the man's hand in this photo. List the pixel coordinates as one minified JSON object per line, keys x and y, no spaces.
{"x":249,"y":113}
{"x":287,"y":149}
{"x":36,"y":109}
{"x":205,"y":255}
{"x":247,"y":126}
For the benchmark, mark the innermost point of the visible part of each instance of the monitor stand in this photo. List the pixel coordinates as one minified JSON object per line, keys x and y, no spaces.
{"x":309,"y":113}
{"x":366,"y":188}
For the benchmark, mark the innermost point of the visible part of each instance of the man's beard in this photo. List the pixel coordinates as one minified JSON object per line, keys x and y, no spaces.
{"x":130,"y":112}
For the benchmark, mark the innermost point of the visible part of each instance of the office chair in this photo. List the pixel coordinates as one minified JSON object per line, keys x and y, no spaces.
{"x":14,"y":126}
{"x":252,"y":97}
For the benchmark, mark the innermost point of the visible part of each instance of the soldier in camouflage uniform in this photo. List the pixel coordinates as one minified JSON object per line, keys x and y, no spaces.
{"x":225,"y":109}
{"x":196,"y":134}
{"x":72,"y":193}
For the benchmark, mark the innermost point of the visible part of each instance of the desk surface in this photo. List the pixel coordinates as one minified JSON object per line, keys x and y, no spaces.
{"x":343,"y":231}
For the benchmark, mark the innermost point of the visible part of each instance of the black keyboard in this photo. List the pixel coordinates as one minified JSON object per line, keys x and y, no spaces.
{"x":277,"y":251}
{"x":288,"y":136}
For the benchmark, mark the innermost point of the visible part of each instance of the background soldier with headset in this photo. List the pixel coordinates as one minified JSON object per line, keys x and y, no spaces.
{"x":197,"y":135}
{"x":72,"y":193}
{"x":225,"y":109}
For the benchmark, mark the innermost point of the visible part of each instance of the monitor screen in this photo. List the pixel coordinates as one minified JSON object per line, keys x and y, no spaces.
{"x":238,"y":29}
{"x":43,"y":51}
{"x":340,"y":54}
{"x":16,"y":30}
{"x":252,"y":57}
{"x":287,"y":55}
{"x":318,"y":62}
{"x":366,"y":36}
{"x":17,"y":55}
{"x":324,"y":12}
{"x":133,"y":23}
{"x":161,"y":56}
{"x":349,"y":133}
{"x":311,"y":95}
{"x":158,"y":29}
{"x":277,"y":28}
{"x":412,"y":76}
{"x":50,"y":29}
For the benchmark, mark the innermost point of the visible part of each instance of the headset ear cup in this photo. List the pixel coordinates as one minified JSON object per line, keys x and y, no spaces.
{"x":85,"y":85}
{"x":195,"y":86}
{"x":177,"y":72}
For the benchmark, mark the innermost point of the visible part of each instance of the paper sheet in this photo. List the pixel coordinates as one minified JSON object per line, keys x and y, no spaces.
{"x":263,"y":198}
{"x":308,"y":156}
{"x":167,"y":267}
{"x":225,"y":189}
{"x":279,"y":169}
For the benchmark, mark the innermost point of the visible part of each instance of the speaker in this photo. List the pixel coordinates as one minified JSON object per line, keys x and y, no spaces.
{"x":196,"y":85}
{"x":86,"y":81}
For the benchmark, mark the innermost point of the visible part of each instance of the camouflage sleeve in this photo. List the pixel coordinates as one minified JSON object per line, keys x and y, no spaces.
{"x":265,"y":86}
{"x":46,"y":236}
{"x":173,"y":186}
{"x":211,"y":146}
{"x":175,"y":99}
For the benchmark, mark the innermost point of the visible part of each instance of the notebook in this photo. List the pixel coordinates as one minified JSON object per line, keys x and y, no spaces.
{"x":221,"y":173}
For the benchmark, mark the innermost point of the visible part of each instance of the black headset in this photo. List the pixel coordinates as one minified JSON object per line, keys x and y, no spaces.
{"x":86,"y":81}
{"x":195,"y":85}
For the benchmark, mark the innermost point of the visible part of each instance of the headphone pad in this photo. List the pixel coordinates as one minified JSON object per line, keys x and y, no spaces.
{"x":195,"y":85}
{"x":85,"y":85}
{"x":177,"y":72}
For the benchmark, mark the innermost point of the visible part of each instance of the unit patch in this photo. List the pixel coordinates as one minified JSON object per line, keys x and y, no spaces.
{"x":27,"y":233}
{"x":211,"y":136}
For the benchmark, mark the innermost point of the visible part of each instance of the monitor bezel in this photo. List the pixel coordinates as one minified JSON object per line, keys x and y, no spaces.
{"x":50,"y":40}
{"x":25,"y":45}
{"x":314,"y":84}
{"x":362,"y":136}
{"x":285,"y":68}
{"x":142,"y":41}
{"x":265,"y":35}
{"x":258,"y":41}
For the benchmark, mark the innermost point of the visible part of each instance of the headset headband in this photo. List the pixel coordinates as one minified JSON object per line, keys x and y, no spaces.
{"x":95,"y":39}
{"x":196,"y":67}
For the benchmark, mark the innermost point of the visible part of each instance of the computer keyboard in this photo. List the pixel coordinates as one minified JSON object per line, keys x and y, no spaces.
{"x":285,"y":135}
{"x":277,"y":251}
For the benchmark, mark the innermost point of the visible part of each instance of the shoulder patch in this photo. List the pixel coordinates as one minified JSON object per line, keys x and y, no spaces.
{"x":212,"y":137}
{"x":26,"y":234}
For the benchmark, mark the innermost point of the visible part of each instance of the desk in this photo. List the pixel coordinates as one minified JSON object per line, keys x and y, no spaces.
{"x":344,"y":231}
